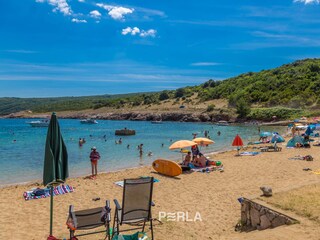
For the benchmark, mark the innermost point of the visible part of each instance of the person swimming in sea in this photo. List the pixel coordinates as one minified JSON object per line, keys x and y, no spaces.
{"x":80,"y":142}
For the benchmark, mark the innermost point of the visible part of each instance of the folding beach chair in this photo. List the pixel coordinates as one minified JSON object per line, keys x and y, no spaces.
{"x":89,"y":219}
{"x":136,"y":205}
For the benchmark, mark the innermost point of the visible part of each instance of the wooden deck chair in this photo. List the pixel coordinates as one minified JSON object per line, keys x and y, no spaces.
{"x":136,"y":205}
{"x":89,"y":219}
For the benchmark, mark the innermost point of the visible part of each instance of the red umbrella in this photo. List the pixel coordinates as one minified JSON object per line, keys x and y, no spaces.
{"x":237,"y":141}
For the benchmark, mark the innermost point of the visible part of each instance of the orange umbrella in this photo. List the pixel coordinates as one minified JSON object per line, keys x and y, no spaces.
{"x":182,"y":144}
{"x":237,"y":141}
{"x":203,"y":141}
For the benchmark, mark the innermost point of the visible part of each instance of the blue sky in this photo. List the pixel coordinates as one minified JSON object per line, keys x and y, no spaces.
{"x":84,"y":47}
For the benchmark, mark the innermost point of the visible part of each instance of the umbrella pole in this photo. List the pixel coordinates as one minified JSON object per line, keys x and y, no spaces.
{"x":51,"y":208}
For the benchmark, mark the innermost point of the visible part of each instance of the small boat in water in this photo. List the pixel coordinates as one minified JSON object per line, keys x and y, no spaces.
{"x":222,"y":123}
{"x":88,"y":121}
{"x":125,"y":132}
{"x":156,"y":122}
{"x":40,"y":123}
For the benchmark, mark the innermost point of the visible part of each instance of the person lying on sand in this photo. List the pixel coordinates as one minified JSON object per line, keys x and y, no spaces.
{"x":202,"y":161}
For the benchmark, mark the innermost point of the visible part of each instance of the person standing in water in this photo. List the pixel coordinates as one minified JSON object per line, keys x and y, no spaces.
{"x":94,"y":157}
{"x":140,"y":149}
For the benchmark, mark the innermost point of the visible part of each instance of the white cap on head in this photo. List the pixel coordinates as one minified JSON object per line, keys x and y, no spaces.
{"x":93,"y":148}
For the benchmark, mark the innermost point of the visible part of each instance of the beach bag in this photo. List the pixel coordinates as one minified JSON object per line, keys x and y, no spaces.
{"x":38,"y":192}
{"x":135,"y":236}
{"x":309,"y":158}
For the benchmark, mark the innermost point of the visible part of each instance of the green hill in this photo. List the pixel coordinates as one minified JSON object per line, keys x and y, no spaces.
{"x":291,"y":85}
{"x":11,"y":105}
{"x":295,"y":85}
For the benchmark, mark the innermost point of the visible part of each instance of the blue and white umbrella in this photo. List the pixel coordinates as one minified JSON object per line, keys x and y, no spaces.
{"x":309,"y":130}
{"x":265,"y":134}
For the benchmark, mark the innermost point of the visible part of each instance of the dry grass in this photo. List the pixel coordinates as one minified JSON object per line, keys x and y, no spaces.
{"x":303,"y":201}
{"x":192,"y":105}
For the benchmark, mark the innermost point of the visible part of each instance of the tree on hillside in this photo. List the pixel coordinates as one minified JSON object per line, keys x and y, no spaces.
{"x":243,"y":108}
{"x":164,"y":95}
{"x":179,"y":93}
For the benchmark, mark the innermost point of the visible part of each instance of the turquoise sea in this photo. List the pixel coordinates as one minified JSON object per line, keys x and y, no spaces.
{"x":22,"y":146}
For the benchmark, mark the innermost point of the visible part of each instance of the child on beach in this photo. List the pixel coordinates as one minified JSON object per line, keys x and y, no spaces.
{"x":94,"y":157}
{"x":187,"y":159}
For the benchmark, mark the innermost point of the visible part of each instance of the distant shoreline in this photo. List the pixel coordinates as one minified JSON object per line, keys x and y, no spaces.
{"x":149,"y":116}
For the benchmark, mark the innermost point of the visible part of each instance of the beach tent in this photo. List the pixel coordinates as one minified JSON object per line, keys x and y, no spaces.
{"x":293,"y":141}
{"x":55,"y":169}
{"x":277,"y":138}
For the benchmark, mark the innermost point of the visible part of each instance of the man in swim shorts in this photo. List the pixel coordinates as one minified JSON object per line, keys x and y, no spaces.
{"x":94,"y":157}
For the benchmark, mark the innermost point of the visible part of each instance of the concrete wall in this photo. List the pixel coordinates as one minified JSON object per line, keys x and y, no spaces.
{"x":256,"y":216}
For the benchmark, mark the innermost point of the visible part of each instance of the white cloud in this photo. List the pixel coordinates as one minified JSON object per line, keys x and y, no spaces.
{"x":59,"y":5}
{"x":136,"y":31}
{"x":76,"y":20}
{"x":95,"y":14}
{"x":148,"y":33}
{"x":205,"y":64}
{"x":308,"y":1}
{"x":81,"y":0}
{"x":20,"y":51}
{"x":115,"y":12}
{"x":118,"y":12}
{"x":129,"y":30}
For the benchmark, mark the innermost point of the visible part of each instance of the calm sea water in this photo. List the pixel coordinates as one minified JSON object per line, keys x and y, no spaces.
{"x":22,"y":146}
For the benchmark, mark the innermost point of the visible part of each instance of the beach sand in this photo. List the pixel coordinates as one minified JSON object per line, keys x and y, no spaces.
{"x":213,"y":195}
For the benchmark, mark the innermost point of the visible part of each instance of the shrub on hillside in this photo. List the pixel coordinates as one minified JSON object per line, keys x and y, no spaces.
{"x":210,"y":107}
{"x":164,"y":95}
{"x":280,"y":113}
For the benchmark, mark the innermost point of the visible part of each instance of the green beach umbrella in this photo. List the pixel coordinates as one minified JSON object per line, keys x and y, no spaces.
{"x":55,"y":169}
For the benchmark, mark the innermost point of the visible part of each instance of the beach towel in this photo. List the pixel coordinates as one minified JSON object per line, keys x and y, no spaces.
{"x":299,"y":157}
{"x":249,"y":153}
{"x":121,"y":183}
{"x":202,"y":169}
{"x":135,"y":236}
{"x":45,"y":192}
{"x":207,"y":169}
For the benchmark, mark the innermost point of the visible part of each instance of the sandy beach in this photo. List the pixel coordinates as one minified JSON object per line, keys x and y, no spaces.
{"x":213,"y":195}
